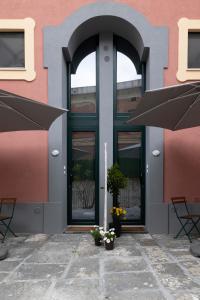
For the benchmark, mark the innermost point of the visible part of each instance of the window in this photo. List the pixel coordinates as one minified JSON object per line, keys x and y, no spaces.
{"x":83,"y":83}
{"x":11,"y":49}
{"x":128,"y":84}
{"x":194,"y":50}
{"x":189,"y":50}
{"x":17,"y":49}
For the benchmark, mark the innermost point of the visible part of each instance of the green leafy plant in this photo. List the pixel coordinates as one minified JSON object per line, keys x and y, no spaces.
{"x":116,"y":180}
{"x":97,"y":233}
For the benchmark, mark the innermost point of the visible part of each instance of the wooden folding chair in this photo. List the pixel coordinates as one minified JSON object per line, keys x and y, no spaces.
{"x":184,"y":217}
{"x":7,"y":208}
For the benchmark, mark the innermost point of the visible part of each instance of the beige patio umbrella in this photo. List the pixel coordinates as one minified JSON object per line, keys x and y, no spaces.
{"x":20,"y":113}
{"x":174,"y":107}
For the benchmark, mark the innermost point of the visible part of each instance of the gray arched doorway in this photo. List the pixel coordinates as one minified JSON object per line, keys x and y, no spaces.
{"x":151,"y":45}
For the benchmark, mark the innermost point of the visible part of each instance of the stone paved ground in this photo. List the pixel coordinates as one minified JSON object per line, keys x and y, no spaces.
{"x":70,"y":267}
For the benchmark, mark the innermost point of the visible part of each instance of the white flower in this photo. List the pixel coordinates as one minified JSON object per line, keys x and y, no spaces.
{"x":112,"y":233}
{"x":105,"y":238}
{"x":111,"y":239}
{"x":112,"y":229}
{"x":101,"y":232}
{"x":100,"y":228}
{"x":108,"y":241}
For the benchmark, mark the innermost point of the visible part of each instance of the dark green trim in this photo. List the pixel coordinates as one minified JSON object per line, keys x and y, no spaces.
{"x":127,"y":49}
{"x":88,"y":46}
{"x":143,"y":67}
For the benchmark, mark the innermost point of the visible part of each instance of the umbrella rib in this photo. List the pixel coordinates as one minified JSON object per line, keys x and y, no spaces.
{"x":160,"y":105}
{"x":187,"y":111}
{"x":21,"y":114}
{"x":190,"y":90}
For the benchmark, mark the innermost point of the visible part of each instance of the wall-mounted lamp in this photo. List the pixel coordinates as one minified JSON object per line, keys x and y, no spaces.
{"x":156,"y":152}
{"x":55,"y":152}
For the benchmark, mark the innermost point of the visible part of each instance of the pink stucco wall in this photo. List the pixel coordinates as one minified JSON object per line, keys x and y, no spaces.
{"x":23,"y":156}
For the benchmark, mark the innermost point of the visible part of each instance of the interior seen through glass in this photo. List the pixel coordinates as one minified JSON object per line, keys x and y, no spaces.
{"x":129,"y":159}
{"x":83,"y":175}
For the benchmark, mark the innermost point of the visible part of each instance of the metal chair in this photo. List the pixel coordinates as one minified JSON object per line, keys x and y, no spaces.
{"x":7,"y":208}
{"x":184,"y":217}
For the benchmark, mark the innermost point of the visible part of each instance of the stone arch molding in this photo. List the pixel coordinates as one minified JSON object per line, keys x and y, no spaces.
{"x":83,"y":23}
{"x":100,"y":17}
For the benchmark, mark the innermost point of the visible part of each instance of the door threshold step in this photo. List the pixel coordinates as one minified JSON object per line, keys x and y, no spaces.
{"x":78,"y":228}
{"x":87,"y":228}
{"x":134,"y":228}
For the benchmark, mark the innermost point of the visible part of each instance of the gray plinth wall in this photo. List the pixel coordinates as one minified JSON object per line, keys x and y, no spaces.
{"x":152,"y":45}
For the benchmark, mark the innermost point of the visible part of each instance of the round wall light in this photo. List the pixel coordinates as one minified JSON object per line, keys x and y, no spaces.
{"x":55,"y":152}
{"x":156,"y":152}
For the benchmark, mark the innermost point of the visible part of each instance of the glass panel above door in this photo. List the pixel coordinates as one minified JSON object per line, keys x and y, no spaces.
{"x":83,"y":86}
{"x":83,"y":176}
{"x":130,"y":162}
{"x":128,"y":84}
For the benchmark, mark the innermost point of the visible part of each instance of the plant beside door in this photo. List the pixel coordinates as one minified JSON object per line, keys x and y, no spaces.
{"x":116,"y":180}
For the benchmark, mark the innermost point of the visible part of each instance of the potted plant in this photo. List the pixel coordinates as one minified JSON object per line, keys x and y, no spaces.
{"x":109,"y":237}
{"x":118,"y":213}
{"x":116,"y":180}
{"x":97,"y":234}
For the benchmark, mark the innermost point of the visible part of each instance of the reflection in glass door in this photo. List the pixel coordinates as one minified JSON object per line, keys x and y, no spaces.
{"x":82,"y":177}
{"x":130,"y":159}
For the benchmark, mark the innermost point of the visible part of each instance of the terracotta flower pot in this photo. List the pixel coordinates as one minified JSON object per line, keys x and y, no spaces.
{"x":109,"y":246}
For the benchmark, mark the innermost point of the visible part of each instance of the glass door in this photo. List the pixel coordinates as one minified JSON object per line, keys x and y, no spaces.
{"x":82,"y":143}
{"x":130,"y":158}
{"x":82,"y":178}
{"x":129,"y":141}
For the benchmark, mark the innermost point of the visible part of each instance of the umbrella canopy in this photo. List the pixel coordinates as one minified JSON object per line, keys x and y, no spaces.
{"x":175,"y":107}
{"x":19,"y":113}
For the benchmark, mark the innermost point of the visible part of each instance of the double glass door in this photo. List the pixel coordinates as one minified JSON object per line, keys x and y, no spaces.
{"x":121,"y":89}
{"x":83,"y":176}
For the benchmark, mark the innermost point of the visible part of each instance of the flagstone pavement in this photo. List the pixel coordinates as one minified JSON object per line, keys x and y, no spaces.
{"x":70,"y":267}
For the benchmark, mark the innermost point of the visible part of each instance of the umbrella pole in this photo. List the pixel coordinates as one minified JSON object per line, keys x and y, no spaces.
{"x":105,"y":189}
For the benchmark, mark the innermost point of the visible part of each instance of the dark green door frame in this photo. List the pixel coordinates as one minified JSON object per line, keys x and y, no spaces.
{"x":69,"y":202}
{"x":83,"y":122}
{"x":120,"y":120}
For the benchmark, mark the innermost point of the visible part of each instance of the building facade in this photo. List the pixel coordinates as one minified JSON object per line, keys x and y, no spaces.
{"x":58,"y":177}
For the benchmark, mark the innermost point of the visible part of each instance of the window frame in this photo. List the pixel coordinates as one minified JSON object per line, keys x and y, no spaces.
{"x":185,"y":73}
{"x":27,"y":72}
